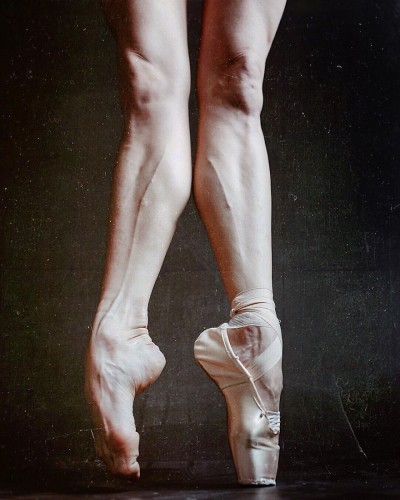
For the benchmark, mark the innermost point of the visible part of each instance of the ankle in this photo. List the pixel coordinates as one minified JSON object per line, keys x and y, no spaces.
{"x":121,"y":313}
{"x":254,"y":307}
{"x":109,"y":324}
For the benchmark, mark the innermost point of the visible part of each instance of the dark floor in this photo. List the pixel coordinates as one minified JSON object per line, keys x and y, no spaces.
{"x":200,"y":480}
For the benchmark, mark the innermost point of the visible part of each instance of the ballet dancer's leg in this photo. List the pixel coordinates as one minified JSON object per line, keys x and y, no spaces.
{"x":151,"y":186}
{"x":232,"y":183}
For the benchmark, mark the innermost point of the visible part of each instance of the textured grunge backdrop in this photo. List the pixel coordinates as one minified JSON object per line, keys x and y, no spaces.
{"x":331,"y":124}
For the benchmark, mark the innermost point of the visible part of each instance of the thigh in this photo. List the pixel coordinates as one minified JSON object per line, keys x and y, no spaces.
{"x":153,"y":30}
{"x":235,"y":28}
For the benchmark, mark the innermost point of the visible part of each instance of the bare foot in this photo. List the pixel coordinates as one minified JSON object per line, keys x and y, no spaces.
{"x":248,"y":342}
{"x":120,"y":363}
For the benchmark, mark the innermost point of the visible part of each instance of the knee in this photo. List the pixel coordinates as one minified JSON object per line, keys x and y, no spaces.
{"x":236,"y":84}
{"x":146,"y":86}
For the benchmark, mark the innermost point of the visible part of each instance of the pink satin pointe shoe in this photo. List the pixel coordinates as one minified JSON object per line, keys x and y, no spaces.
{"x":253,"y":429}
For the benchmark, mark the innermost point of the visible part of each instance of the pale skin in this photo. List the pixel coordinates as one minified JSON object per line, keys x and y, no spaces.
{"x":152,"y":183}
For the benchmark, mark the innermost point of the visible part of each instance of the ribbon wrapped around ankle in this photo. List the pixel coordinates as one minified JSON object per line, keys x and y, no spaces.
{"x":254,"y":307}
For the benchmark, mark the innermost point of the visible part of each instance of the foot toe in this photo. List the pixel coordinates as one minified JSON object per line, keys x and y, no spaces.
{"x":128,"y":470}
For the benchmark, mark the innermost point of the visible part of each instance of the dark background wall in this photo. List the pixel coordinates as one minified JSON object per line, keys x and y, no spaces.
{"x":331,"y":124}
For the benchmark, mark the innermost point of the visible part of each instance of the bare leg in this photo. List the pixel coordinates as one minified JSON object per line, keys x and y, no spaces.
{"x":151,"y":186}
{"x":232,"y":182}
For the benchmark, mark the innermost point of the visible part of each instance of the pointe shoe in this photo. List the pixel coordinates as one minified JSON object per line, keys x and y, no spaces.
{"x":253,"y":430}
